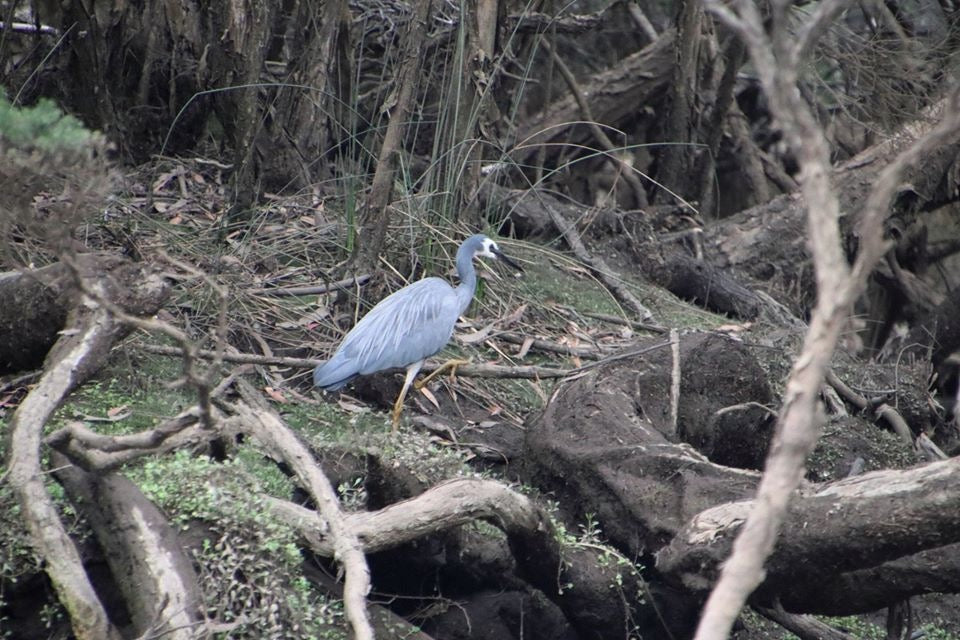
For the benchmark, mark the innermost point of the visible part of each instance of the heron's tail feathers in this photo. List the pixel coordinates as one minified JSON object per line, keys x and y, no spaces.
{"x":333,"y":374}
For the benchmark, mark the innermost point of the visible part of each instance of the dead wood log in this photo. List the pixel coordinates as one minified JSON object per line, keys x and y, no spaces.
{"x":613,"y":94}
{"x":767,"y":244}
{"x":601,"y":443}
{"x":692,"y":279}
{"x":866,"y":590}
{"x":77,"y":354}
{"x":855,"y":524}
{"x":144,"y":553}
{"x":622,"y":168}
{"x":35,"y":309}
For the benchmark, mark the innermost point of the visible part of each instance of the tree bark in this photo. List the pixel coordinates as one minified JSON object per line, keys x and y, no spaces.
{"x":767,"y":244}
{"x":376,"y":217}
{"x":143,"y":551}
{"x":892,"y":519}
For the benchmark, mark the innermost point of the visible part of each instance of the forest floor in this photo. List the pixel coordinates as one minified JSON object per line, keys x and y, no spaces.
{"x":177,"y":209}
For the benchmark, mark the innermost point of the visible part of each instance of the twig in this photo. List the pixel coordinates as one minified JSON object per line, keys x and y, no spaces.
{"x":805,"y":627}
{"x":633,"y":324}
{"x":468,"y":370}
{"x":550,"y":347}
{"x":596,"y":264}
{"x":626,"y":170}
{"x":876,"y":406}
{"x":27,"y":27}
{"x":674,"y":380}
{"x":311,"y":290}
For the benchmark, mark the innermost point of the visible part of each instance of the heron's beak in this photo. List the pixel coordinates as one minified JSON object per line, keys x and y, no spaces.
{"x":501,"y":256}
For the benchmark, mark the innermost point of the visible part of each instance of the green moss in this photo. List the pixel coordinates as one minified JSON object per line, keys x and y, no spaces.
{"x":249,"y":564}
{"x":130,"y":394}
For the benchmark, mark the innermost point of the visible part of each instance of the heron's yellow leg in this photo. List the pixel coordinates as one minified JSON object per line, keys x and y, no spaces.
{"x":397,"y":409}
{"x":449,"y":364}
{"x":412,"y":371}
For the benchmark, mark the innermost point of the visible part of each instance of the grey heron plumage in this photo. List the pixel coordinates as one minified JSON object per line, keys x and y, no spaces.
{"x":408,"y":326}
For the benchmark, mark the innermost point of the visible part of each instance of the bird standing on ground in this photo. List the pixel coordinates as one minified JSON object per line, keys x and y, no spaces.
{"x":408,"y":326}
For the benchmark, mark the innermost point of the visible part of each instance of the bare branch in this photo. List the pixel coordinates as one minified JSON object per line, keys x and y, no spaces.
{"x":311,"y":290}
{"x":837,"y":285}
{"x":267,"y":428}
{"x":47,"y":533}
{"x":92,"y":451}
{"x":811,"y":31}
{"x":446,"y":505}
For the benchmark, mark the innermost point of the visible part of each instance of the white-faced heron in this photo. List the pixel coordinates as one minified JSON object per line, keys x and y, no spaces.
{"x":408,"y":326}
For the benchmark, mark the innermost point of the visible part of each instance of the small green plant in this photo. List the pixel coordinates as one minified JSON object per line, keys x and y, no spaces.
{"x":353,"y":495}
{"x":51,"y":614}
{"x":42,"y":126}
{"x":248,"y":562}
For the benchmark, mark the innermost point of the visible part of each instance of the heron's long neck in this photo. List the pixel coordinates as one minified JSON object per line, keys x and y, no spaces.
{"x":468,"y":281}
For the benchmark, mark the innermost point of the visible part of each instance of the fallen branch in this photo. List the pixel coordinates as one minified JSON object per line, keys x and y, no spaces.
{"x":640,"y":78}
{"x":310,"y":290}
{"x":590,"y":353}
{"x":77,"y":354}
{"x":878,"y":407}
{"x":530,"y":372}
{"x":48,"y":536}
{"x":92,"y":451}
{"x":152,"y":570}
{"x":450,"y":504}
{"x":596,"y":264}
{"x":633,"y":324}
{"x":851,"y":525}
{"x":262,"y":424}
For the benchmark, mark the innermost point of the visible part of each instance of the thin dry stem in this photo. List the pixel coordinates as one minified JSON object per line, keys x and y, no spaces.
{"x":838,"y":287}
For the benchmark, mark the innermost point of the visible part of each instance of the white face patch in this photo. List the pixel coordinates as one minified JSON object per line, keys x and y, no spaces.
{"x":489,"y":246}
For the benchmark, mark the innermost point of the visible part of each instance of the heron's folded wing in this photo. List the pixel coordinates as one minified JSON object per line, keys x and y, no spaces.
{"x":405,"y":327}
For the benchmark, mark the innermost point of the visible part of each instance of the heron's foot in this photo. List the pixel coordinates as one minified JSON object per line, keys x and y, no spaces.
{"x":449,"y":364}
